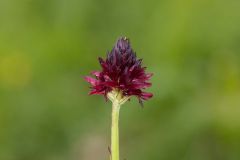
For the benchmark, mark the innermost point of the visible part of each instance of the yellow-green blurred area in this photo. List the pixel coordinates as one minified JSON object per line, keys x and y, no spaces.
{"x":192,"y":47}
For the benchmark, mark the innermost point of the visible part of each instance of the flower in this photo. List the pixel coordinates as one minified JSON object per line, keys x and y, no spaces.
{"x":121,"y":72}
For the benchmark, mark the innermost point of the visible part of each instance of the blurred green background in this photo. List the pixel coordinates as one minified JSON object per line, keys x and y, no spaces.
{"x":192,"y":47}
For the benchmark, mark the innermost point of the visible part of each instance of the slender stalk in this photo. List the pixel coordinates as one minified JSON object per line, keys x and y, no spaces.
{"x":114,"y":131}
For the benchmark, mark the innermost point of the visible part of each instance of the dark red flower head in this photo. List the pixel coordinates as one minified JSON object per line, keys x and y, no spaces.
{"x":121,"y":71}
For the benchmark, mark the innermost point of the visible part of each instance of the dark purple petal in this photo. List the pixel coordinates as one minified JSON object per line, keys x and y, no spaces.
{"x":111,"y":84}
{"x":91,"y":80}
{"x":96,"y":92}
{"x":146,"y":96}
{"x":140,"y":85}
{"x":96,"y":73}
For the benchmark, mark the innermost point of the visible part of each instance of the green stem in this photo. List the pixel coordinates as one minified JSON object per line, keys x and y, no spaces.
{"x":114,"y":131}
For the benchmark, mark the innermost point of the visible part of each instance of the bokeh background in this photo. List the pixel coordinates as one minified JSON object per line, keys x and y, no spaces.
{"x":192,"y":47}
